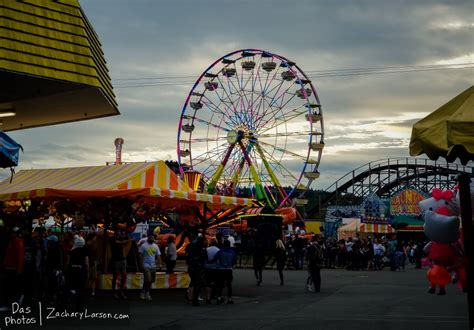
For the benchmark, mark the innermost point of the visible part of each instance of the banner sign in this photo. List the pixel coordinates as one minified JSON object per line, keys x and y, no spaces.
{"x":406,"y":202}
{"x":374,"y":210}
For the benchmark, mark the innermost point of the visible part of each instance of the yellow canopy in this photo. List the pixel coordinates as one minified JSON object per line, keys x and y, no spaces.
{"x":153,"y":180}
{"x":447,"y":132}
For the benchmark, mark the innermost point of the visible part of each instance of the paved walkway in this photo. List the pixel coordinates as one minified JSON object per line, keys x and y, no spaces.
{"x":349,"y":300}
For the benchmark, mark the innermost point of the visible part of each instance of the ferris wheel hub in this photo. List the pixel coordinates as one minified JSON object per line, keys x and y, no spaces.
{"x":233,"y":137}
{"x":240,"y":135}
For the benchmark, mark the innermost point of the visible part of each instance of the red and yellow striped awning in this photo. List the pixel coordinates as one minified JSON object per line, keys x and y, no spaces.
{"x":154,"y":180}
{"x":376,"y":228}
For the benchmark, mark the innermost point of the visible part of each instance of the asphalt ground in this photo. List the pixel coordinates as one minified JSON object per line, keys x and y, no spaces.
{"x":348,"y":300}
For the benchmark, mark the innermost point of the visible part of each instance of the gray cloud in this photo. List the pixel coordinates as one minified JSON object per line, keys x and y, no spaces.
{"x":182,"y":37}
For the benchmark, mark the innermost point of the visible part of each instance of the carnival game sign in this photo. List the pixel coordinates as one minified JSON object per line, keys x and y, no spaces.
{"x":406,"y":202}
{"x":373,"y":210}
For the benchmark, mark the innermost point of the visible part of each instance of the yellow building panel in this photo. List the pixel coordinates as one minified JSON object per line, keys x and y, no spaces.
{"x":68,"y":58}
{"x":44,"y":32}
{"x":44,"y":47}
{"x":34,"y":59}
{"x":72,"y":3}
{"x":36,"y":40}
{"x":48,"y":14}
{"x":48,"y":73}
{"x":54,"y":6}
{"x":46,"y":52}
{"x":43,"y":22}
{"x":94,"y":51}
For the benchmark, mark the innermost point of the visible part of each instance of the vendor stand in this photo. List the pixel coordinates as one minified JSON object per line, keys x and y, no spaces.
{"x":363,"y":230}
{"x":113,"y":197}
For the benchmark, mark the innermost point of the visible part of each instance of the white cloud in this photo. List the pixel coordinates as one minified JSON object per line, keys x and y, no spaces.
{"x":469,"y":58}
{"x":456,"y":25}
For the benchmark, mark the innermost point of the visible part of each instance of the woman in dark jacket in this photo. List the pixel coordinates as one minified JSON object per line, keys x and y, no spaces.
{"x":280,"y":256}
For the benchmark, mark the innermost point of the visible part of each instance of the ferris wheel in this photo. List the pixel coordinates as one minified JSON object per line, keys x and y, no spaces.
{"x":252,"y":123}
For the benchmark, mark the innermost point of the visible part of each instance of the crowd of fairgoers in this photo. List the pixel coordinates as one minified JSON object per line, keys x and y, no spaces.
{"x":371,"y":253}
{"x":62,"y":269}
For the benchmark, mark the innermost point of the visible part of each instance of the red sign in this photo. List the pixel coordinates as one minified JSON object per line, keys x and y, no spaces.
{"x":406,"y":202}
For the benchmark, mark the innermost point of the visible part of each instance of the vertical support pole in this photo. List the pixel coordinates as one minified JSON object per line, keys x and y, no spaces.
{"x":466,"y":218}
{"x":212,"y":184}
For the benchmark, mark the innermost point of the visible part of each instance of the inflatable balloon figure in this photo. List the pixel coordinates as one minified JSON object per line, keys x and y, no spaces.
{"x":445,"y":249}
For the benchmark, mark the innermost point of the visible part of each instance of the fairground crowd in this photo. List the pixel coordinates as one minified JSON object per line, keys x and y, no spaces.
{"x":62,"y":269}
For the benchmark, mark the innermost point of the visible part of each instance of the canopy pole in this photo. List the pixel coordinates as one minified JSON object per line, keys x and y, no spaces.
{"x":466,"y":218}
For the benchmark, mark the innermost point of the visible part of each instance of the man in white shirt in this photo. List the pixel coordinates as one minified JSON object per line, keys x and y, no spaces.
{"x":349,"y":244}
{"x":150,"y":253}
{"x":171,"y":255}
{"x":210,"y":272}
{"x":379,"y":251}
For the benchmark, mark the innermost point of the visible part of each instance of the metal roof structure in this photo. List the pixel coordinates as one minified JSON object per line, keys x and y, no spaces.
{"x":52,"y":68}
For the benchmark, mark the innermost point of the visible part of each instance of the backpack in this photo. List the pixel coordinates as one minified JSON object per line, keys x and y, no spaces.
{"x":315,"y":254}
{"x":195,"y":255}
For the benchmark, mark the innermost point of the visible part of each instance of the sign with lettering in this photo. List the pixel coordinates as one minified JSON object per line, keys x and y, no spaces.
{"x":373,"y":210}
{"x":406,"y":202}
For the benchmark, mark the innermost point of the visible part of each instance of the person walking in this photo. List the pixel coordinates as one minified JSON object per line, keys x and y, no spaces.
{"x":93,"y":253}
{"x":210,"y":271}
{"x":280,"y":257}
{"x":38,"y":256}
{"x":259,"y":262}
{"x":53,"y":269}
{"x":418,"y":255}
{"x":77,"y":271}
{"x":298,"y":245}
{"x":369,"y":254}
{"x":196,"y":259}
{"x":150,"y":257}
{"x":349,"y":244}
{"x":379,"y":251}
{"x":314,"y":256}
{"x":400,"y":257}
{"x":13,"y":267}
{"x":411,"y":252}
{"x":225,"y":260}
{"x":119,"y":263}
{"x":171,"y":255}
{"x":392,"y":252}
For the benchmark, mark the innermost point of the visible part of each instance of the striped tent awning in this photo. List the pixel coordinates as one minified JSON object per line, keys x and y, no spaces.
{"x":149,"y":179}
{"x":357,"y":226}
{"x":376,"y":228}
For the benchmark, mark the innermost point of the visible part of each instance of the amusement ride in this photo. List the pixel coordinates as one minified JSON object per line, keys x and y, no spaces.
{"x":253,"y":124}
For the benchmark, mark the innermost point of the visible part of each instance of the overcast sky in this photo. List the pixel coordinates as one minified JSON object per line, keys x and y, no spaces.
{"x":367,"y":117}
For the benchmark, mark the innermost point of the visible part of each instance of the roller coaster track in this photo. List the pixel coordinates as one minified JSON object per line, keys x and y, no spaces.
{"x":386,"y":176}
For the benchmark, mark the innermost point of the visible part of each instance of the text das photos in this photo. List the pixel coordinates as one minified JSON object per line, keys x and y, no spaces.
{"x":26,"y":316}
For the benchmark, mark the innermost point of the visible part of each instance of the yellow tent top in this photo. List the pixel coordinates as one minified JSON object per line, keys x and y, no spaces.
{"x":153,"y":179}
{"x":448,"y":131}
{"x":52,"y":68}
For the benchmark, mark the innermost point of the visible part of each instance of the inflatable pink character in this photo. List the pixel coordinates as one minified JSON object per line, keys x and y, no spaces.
{"x":445,"y":249}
